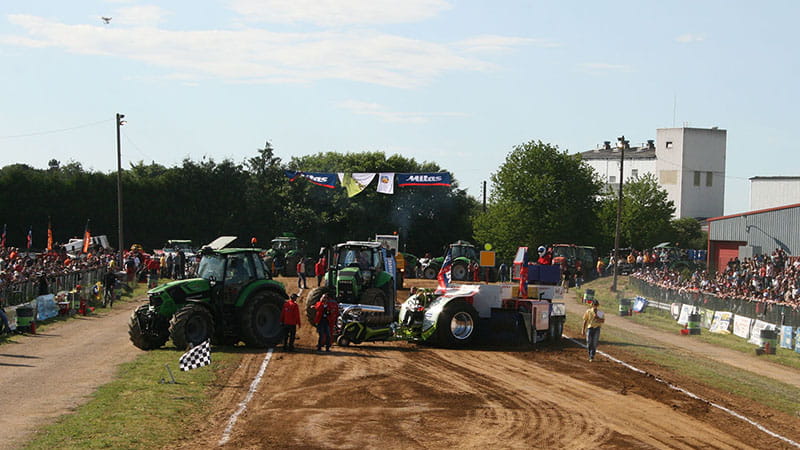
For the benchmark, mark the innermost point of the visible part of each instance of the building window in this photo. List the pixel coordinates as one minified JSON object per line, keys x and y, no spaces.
{"x":696,"y":178}
{"x":669,"y":144}
{"x":612,"y":179}
{"x":709,"y":177}
{"x":634,"y":173}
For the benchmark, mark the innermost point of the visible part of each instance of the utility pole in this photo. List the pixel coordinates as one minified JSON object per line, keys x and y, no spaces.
{"x":484,"y":196}
{"x":119,"y":192}
{"x":622,"y":144}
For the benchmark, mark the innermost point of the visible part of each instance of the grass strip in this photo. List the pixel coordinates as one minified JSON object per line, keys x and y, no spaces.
{"x":662,"y":320}
{"x":136,"y":410}
{"x":746,"y":384}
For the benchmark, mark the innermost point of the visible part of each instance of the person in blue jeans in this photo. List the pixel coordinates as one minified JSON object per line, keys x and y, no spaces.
{"x":592,"y":321}
{"x":4,"y":326}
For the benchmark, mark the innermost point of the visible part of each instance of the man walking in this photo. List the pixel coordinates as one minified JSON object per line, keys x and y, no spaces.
{"x":592,"y":321}
{"x":290,"y":319}
{"x":301,"y":273}
{"x":325,"y":320}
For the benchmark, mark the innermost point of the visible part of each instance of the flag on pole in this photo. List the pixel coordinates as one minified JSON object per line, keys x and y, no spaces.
{"x":386,"y":182}
{"x":354,"y":183}
{"x":30,"y":237}
{"x":3,"y":241}
{"x":87,"y":237}
{"x":445,"y":275}
{"x":197,"y":356}
{"x":49,"y":235}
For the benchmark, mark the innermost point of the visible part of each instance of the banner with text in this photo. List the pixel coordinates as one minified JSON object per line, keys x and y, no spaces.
{"x":423,"y":179}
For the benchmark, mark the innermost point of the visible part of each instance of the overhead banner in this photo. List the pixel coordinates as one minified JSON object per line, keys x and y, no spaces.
{"x":423,"y":179}
{"x":327,"y":180}
{"x":354,"y":183}
{"x":386,"y":183}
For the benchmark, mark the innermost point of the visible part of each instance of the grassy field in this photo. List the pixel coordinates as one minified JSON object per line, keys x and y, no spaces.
{"x":746,"y":384}
{"x":137,"y":409}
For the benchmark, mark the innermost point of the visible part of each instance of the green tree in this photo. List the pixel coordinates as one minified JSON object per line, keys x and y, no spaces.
{"x":646,"y":214}
{"x":688,"y":234}
{"x":540,"y":195}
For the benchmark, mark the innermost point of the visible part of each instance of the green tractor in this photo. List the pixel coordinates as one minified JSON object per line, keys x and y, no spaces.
{"x":360,"y":273}
{"x":284,"y":254}
{"x":464,"y":255}
{"x":233,"y":299}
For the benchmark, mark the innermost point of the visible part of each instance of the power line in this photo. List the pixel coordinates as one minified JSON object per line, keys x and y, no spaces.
{"x":59,"y":130}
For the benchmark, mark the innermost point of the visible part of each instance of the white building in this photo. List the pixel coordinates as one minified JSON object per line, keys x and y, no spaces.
{"x":689,"y":163}
{"x":772,"y":192}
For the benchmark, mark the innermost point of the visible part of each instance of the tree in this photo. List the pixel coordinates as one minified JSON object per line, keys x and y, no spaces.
{"x":646,"y":213}
{"x":688,"y":234}
{"x":540,"y":195}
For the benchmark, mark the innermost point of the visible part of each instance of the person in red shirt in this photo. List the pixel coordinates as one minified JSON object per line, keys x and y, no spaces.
{"x":319,"y":270}
{"x":325,"y":320}
{"x":290,"y":319}
{"x":153,"y":269}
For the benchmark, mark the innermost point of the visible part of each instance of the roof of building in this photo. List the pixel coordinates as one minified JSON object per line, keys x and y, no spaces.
{"x":758,"y":211}
{"x":779,"y":177}
{"x":613,"y":153}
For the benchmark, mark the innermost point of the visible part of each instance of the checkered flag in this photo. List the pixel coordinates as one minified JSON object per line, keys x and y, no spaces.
{"x":197,"y":356}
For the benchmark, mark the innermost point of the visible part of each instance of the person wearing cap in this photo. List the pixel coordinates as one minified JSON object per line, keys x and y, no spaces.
{"x":325,"y":320}
{"x":592,"y":321}
{"x":290,"y":320}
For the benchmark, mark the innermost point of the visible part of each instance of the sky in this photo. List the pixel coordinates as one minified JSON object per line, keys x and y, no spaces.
{"x":455,"y":82}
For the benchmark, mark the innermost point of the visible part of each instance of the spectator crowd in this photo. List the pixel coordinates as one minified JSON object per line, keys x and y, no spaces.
{"x":18,"y":266}
{"x":769,"y":278}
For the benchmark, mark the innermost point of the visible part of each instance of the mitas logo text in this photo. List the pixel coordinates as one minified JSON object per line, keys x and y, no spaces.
{"x":424,"y":178}
{"x":317,"y":179}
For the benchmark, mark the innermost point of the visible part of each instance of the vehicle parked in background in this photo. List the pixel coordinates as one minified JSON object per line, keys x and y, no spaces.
{"x":464,"y":256}
{"x":588,"y":257}
{"x":284,"y":253}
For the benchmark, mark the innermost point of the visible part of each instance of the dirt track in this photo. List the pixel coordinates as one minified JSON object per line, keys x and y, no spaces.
{"x":398,"y":395}
{"x":403,"y":395}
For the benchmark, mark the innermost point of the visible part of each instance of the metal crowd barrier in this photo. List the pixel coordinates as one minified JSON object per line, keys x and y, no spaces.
{"x":25,"y":291}
{"x":768,"y":312}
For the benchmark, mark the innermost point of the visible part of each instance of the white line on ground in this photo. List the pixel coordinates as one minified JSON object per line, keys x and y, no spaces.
{"x":226,"y":435}
{"x":692,"y":395}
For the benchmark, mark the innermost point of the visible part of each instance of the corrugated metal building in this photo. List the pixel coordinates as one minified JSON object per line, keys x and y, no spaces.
{"x":753,"y":232}
{"x":771,"y":192}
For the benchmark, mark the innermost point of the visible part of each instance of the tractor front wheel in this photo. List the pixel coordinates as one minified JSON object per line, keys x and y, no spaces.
{"x":260,"y":320}
{"x":375,"y":296}
{"x":430,"y":273}
{"x":459,"y":271}
{"x":457,"y":325}
{"x":191,"y":325}
{"x":137,"y":325}
{"x":313,"y":297}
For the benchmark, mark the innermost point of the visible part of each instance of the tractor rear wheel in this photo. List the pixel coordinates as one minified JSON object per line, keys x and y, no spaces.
{"x":430,"y":273}
{"x":313,"y":297}
{"x":375,"y":296}
{"x":260,"y":320}
{"x":556,"y":329}
{"x":191,"y":325}
{"x":457,"y":325}
{"x":459,"y":271}
{"x":142,"y":340}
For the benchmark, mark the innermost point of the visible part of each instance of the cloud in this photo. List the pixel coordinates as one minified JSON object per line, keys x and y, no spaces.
{"x":249,"y":55}
{"x":606,"y":67}
{"x":496,"y":44}
{"x":377,"y":110}
{"x":690,"y":38}
{"x":338,"y":12}
{"x":144,"y":15}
